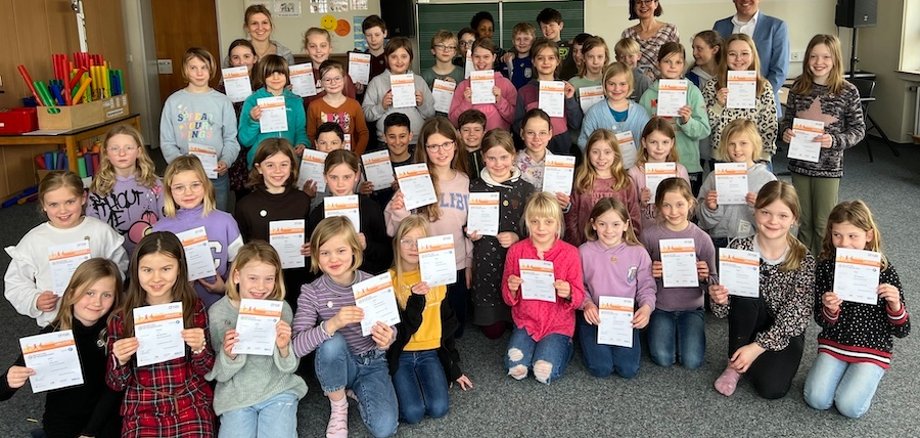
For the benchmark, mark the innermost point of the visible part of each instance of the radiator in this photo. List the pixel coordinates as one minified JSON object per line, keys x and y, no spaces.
{"x":917,"y":111}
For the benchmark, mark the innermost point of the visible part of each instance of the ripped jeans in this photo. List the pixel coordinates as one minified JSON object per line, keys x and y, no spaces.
{"x":554,"y":350}
{"x":275,"y":417}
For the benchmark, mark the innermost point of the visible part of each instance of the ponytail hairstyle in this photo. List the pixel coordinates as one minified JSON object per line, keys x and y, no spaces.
{"x":714,"y":41}
{"x":662,"y":126}
{"x":679,"y":186}
{"x":57,"y":179}
{"x":784,"y":192}
{"x":858,"y":214}
{"x":439,"y":125}
{"x":592,"y":43}
{"x":614,"y":69}
{"x":256,"y":251}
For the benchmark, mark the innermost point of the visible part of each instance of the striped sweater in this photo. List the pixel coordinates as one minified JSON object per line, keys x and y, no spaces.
{"x":859,"y":333}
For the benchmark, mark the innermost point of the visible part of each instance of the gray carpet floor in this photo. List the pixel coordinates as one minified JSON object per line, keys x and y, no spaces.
{"x":659,"y":401}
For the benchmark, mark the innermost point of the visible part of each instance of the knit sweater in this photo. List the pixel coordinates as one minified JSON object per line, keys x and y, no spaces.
{"x":688,"y":134}
{"x":582,"y":203}
{"x":859,"y":333}
{"x":130,"y":208}
{"x":736,"y":220}
{"x":599,"y":116}
{"x":378,"y":255}
{"x":789,"y":296}
{"x":843,"y":119}
{"x":429,"y":75}
{"x":250,"y":133}
{"x":89,"y":409}
{"x":374,"y":111}
{"x":498,"y":115}
{"x":763,"y":115}
{"x":29,"y":273}
{"x":542,"y":318}
{"x":648,"y":210}
{"x":205,"y":118}
{"x":681,"y":298}
{"x":248,"y":379}
{"x":258,"y":209}
{"x":621,"y":271}
{"x":349,"y":116}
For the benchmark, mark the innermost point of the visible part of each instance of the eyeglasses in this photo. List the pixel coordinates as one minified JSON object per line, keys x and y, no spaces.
{"x":467,"y":43}
{"x":408,"y":243}
{"x":120,"y":149}
{"x":333,"y":80}
{"x":445,"y":48}
{"x":446,"y":146}
{"x":645,"y":2}
{"x":540,"y":134}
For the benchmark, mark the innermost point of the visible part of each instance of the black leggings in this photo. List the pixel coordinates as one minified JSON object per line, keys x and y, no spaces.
{"x":772,"y":372}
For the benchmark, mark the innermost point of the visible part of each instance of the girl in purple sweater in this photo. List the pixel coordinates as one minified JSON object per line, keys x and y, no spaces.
{"x":615,"y":264}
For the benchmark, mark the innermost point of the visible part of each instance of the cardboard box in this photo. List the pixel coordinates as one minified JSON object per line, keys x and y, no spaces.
{"x":115,"y":107}
{"x":71,"y":117}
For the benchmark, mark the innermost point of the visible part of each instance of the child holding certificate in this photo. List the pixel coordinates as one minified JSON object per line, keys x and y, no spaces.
{"x":591,"y":72}
{"x":766,"y":335}
{"x":439,"y":149}
{"x":500,"y":175}
{"x":620,"y":114}
{"x":424,"y":356}
{"x":740,"y":144}
{"x":342,"y":172}
{"x":189,"y":205}
{"x":691,"y":124}
{"x":169,"y":398}
{"x":741,"y":55}
{"x":397,"y":131}
{"x":822,"y":94}
{"x":328,"y":322}
{"x":600,"y":175}
{"x":676,"y":329}
{"x":541,"y":339}
{"x":500,"y":112}
{"x":318,"y":44}
{"x":615,"y":265}
{"x":472,"y":124}
{"x":272,"y":71}
{"x":240,"y":54}
{"x":90,"y":409}
{"x":199,"y":115}
{"x":274,"y":198}
{"x":379,"y":97}
{"x":566,"y":110}
{"x":659,"y":154}
{"x":536,"y":131}
{"x":855,"y":343}
{"x":34,"y":281}
{"x":337,"y":107}
{"x":256,"y":395}
{"x":126,"y":192}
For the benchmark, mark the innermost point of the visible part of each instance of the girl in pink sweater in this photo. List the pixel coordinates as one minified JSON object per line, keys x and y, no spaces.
{"x":499,"y":114}
{"x":543,"y":313}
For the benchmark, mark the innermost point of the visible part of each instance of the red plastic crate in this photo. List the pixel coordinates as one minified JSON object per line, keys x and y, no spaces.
{"x":18,"y":120}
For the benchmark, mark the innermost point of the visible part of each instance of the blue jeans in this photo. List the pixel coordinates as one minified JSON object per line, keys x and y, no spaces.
{"x":367,"y":375}
{"x":849,"y":386}
{"x":677,"y":334}
{"x":554,"y":348}
{"x":602,"y":360}
{"x":275,"y":417}
{"x":421,"y":386}
{"x":222,"y":192}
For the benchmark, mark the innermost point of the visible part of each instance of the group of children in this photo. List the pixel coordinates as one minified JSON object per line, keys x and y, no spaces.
{"x":602,"y":240}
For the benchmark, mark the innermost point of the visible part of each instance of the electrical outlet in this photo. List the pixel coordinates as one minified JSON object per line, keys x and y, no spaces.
{"x":164,"y":66}
{"x":797,"y":56}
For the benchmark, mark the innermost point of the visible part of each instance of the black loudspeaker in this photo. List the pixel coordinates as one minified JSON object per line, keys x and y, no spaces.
{"x":856,"y":13}
{"x":399,"y":16}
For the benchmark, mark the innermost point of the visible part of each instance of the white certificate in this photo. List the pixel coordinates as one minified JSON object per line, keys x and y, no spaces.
{"x":588,"y":96}
{"x":343,"y":206}
{"x":359,"y":67}
{"x":558,"y":173}
{"x":739,"y":272}
{"x":375,"y":296}
{"x":803,"y":147}
{"x":742,"y":89}
{"x":731,"y":183}
{"x":537,"y":278}
{"x":208,"y":157}
{"x":236,"y":83}
{"x":403,"y":89}
{"x":468,"y":65}
{"x":303,"y":83}
{"x":415,"y":185}
{"x":436,"y":260}
{"x":158,"y":330}
{"x":256,"y":326}
{"x":311,"y":169}
{"x":482,"y":213}
{"x":678,"y":263}
{"x":628,"y":150}
{"x":274,"y":114}
{"x":672,"y":96}
{"x":616,"y":326}
{"x":197,"y":253}
{"x":481,"y":84}
{"x":378,"y":169}
{"x":64,"y":260}
{"x":655,"y":173}
{"x":443,"y":94}
{"x":552,"y":98}
{"x":856,"y":275}
{"x":54,"y":358}
{"x":287,"y":237}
